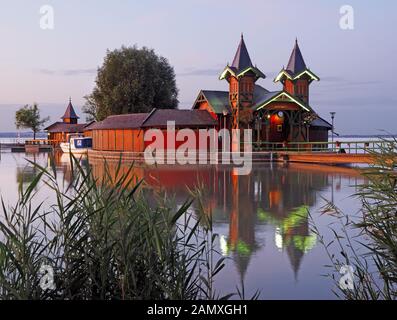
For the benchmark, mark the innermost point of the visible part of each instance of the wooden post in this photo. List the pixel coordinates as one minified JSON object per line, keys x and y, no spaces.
{"x":267,"y":129}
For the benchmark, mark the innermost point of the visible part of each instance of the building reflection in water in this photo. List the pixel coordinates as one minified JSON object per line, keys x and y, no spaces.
{"x":26,"y":169}
{"x":273,"y":195}
{"x":63,"y":165}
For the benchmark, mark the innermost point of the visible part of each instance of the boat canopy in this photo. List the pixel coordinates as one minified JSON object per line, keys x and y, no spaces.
{"x":81,"y":143}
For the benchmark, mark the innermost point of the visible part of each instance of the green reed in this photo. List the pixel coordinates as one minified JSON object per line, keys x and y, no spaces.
{"x":104,"y":241}
{"x":373,"y":250}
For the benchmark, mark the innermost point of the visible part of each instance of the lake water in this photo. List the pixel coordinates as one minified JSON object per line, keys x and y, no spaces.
{"x":260,"y":218}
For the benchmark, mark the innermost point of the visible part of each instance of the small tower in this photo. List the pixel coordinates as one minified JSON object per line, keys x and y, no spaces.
{"x":296,"y":78}
{"x":241,"y":76}
{"x":70,"y":115}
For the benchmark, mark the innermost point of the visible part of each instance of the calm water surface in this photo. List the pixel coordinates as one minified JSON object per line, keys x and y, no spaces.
{"x":261,"y":218}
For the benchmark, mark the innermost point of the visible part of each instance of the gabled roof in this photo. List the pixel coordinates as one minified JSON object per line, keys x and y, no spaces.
{"x":218,"y":100}
{"x":89,"y":125}
{"x":70,"y":113}
{"x":285,"y":96}
{"x":242,"y":58}
{"x":296,"y":62}
{"x":66,"y":127}
{"x":158,"y":118}
{"x":320,"y":122}
{"x":124,"y":121}
{"x":263,"y":97}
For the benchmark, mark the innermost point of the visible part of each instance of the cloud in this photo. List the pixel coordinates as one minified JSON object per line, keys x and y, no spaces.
{"x":335,"y":80}
{"x":199,"y":72}
{"x":376,"y":102}
{"x":66,"y":72}
{"x":332,"y":79}
{"x":349,"y":87}
{"x":213,"y":72}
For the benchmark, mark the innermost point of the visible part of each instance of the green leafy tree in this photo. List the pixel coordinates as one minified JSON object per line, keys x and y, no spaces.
{"x":28,"y":117}
{"x":132,"y":80}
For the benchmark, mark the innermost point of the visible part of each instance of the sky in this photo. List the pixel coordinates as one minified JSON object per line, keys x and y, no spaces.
{"x":199,"y":37}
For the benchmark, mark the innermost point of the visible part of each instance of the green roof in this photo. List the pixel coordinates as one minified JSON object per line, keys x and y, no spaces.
{"x":261,"y":95}
{"x":218,"y":100}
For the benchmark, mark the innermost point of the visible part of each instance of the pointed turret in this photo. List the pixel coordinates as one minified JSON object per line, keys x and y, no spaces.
{"x":296,"y":62}
{"x":241,"y":65}
{"x":242,"y":58}
{"x":70,"y":115}
{"x":241,"y":76}
{"x":297,"y":77}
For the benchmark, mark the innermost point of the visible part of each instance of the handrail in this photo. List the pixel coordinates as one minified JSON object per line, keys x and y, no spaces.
{"x":350,"y":147}
{"x":42,"y":142}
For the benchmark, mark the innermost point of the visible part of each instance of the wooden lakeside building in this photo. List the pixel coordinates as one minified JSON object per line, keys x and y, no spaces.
{"x":283,"y":116}
{"x":125,"y":133}
{"x":275,"y":116}
{"x":59,"y":131}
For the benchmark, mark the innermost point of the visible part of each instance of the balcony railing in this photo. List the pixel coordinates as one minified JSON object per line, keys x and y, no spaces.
{"x":349,"y":147}
{"x":42,"y":142}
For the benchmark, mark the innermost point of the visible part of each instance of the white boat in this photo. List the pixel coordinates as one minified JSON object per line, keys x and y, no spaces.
{"x":77,"y":145}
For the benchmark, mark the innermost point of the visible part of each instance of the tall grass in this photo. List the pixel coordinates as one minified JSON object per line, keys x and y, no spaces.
{"x":104,"y":241}
{"x":373,"y":251}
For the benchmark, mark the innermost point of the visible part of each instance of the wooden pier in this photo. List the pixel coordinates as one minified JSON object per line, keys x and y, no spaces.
{"x":40,"y":145}
{"x":31,"y":146}
{"x":332,"y":153}
{"x":337,"y":153}
{"x":327,"y":158}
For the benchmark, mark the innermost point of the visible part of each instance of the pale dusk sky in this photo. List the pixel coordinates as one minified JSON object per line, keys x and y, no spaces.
{"x":199,"y":37}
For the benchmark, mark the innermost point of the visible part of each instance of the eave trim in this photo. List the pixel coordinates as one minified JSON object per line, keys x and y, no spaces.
{"x":303,"y":106}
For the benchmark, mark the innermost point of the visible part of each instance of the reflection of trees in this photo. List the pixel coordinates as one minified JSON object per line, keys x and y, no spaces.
{"x":25,"y":175}
{"x":27,"y":172}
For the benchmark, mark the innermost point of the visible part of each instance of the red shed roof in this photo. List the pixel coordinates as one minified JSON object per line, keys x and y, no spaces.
{"x":66,"y":127}
{"x":158,"y":118}
{"x":124,"y":121}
